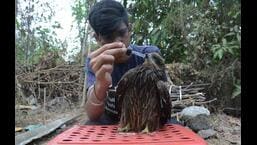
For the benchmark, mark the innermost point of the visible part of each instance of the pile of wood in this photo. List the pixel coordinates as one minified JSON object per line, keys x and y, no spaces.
{"x":186,"y":87}
{"x":58,"y":81}
{"x":187,"y":95}
{"x":67,"y":81}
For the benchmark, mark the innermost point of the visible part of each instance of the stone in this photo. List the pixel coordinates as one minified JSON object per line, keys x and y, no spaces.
{"x":199,"y":122}
{"x":207,"y":133}
{"x":193,"y":111}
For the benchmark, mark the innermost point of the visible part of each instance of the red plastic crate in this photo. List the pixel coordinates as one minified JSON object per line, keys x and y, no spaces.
{"x":171,"y":134}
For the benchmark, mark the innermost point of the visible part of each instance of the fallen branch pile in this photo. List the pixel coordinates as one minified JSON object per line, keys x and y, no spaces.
{"x":59,"y":81}
{"x":66,"y":81}
{"x":187,"y":95}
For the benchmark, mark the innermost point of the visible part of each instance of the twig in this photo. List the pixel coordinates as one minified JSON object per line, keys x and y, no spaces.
{"x":84,"y":93}
{"x":180,"y":93}
{"x":51,"y":69}
{"x":200,"y":103}
{"x":45,"y":83}
{"x":44,"y":119}
{"x":188,"y":86}
{"x":188,"y":95}
{"x":192,"y":89}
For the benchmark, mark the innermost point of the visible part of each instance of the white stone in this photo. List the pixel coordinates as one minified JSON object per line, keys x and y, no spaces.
{"x":192,"y":111}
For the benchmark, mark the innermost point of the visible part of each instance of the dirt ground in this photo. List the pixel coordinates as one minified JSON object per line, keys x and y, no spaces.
{"x":32,"y":117}
{"x":228,"y":129}
{"x":44,"y":140}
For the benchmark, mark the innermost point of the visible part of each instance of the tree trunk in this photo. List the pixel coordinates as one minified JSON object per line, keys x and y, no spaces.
{"x":85,"y":51}
{"x":83,"y":74}
{"x":125,"y":3}
{"x":29,"y":19}
{"x":16,"y":8}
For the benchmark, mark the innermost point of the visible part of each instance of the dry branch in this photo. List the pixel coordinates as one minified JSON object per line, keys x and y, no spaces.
{"x":187,"y":95}
{"x":60,"y":81}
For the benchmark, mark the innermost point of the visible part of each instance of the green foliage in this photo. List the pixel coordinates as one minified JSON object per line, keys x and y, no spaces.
{"x":226,"y":47}
{"x":79,"y":10}
{"x":203,"y":33}
{"x":188,"y":31}
{"x":33,"y":40}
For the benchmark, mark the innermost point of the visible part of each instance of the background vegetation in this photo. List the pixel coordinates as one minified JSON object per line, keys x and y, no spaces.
{"x":203,"y":35}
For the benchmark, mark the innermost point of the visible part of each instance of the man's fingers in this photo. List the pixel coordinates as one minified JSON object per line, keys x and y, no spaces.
{"x":104,"y":74}
{"x":116,"y":52}
{"x":106,"y":47}
{"x":98,"y":61}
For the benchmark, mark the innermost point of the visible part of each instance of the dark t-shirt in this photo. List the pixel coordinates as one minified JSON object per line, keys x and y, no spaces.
{"x":118,"y":71}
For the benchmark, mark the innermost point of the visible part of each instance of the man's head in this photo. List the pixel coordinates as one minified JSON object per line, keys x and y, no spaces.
{"x":109,"y":19}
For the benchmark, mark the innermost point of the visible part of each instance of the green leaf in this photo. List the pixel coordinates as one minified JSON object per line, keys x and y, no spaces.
{"x":46,"y":30}
{"x":235,"y":16}
{"x":154,"y":31}
{"x":17,"y":24}
{"x":224,"y":41}
{"x":237,"y":91}
{"x":236,"y":28}
{"x":238,"y":36}
{"x":230,"y":50}
{"x":156,"y":37}
{"x":218,"y":54}
{"x":229,"y":13}
{"x":145,"y":3}
{"x":230,"y":34}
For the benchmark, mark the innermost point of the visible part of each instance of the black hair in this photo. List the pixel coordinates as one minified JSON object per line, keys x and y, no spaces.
{"x":106,"y":16}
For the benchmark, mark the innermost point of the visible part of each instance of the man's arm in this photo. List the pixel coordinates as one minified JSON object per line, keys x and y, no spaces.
{"x":94,"y":106}
{"x":101,"y":63}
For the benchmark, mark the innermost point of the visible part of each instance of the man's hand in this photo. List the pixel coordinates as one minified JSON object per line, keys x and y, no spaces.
{"x":102,"y":61}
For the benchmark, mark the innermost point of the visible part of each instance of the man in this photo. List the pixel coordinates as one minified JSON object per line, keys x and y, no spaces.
{"x":107,"y":64}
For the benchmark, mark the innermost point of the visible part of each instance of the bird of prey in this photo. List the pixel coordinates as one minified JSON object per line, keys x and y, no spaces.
{"x":143,"y":99}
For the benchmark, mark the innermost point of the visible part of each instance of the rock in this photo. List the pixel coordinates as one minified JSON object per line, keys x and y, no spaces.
{"x":199,"y":122}
{"x":32,"y":127}
{"x":207,"y":133}
{"x":192,"y":111}
{"x":31,"y":100}
{"x":236,"y":112}
{"x":58,"y":104}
